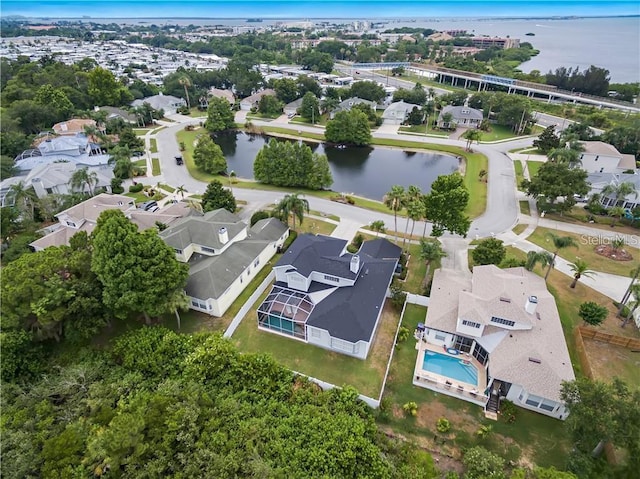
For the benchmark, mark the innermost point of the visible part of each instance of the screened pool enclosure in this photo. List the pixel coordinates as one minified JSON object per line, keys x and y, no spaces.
{"x":286,"y":311}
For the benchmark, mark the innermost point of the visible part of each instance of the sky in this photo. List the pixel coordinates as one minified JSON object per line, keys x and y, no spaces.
{"x":318,"y":9}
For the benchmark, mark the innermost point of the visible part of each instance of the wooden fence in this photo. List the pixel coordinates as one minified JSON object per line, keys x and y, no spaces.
{"x":629,"y":343}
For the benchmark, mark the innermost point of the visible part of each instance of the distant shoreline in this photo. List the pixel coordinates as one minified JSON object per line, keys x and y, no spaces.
{"x":273,"y":19}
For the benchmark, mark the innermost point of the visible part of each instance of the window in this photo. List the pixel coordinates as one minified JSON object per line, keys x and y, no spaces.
{"x":71,"y":223}
{"x":208,"y":250}
{"x":440,"y":337}
{"x":256,"y":262}
{"x":533,"y":400}
{"x":471,"y":324}
{"x":547,"y":405}
{"x":248,"y":270}
{"x":331,"y":278}
{"x":178,"y":251}
{"x":506,"y":322}
{"x":49,"y":191}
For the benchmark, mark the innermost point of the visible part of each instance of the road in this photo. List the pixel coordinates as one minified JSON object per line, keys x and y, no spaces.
{"x":386,"y":80}
{"x":545,"y":120}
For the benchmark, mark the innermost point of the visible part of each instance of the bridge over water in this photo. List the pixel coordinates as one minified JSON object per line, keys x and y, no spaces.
{"x":469,"y":79}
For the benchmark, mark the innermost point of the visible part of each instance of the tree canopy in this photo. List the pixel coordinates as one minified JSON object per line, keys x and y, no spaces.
{"x":555,"y":185}
{"x":349,"y":127}
{"x":208,"y":156}
{"x":220,"y":116}
{"x":286,"y":163}
{"x":216,"y":196}
{"x":445,"y":205}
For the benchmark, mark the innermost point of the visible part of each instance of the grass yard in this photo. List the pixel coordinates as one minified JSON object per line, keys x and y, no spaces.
{"x":153,"y":145}
{"x":263,"y":116}
{"x":321,"y":120}
{"x":608,"y":361}
{"x":585,"y":251}
{"x":517,"y":165}
{"x":525,"y":209}
{"x":578,"y":215}
{"x":155,"y":166}
{"x":290,"y":133}
{"x":167,"y":188}
{"x":415,"y":281}
{"x":139,"y":197}
{"x":315,"y":226}
{"x":533,"y":167}
{"x":423,"y":130}
{"x":532,"y":437}
{"x":324,"y":215}
{"x":502,"y":132}
{"x":519,"y":228}
{"x":365,"y":376}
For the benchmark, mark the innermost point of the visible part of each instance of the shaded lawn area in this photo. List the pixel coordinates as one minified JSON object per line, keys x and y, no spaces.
{"x":519,"y":228}
{"x":608,"y":361}
{"x":525,"y":209}
{"x":533,"y":167}
{"x":517,"y":165}
{"x":339,"y":369}
{"x":586,"y":251}
{"x":415,"y":281}
{"x":538,"y":438}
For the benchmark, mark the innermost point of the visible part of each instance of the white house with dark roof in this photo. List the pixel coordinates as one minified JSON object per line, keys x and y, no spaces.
{"x":600,"y":157}
{"x":493,"y":336}
{"x":349,"y":103}
{"x":324,"y":296}
{"x":460,"y":116}
{"x":223,"y":254}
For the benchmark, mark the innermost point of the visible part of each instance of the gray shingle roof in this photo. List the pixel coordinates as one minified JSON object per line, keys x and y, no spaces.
{"x":460,"y":112}
{"x":203,"y":230}
{"x":310,"y":253}
{"x":268,"y":229}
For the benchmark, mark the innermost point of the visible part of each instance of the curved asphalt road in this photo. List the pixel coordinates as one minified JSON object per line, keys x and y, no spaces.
{"x":500,"y":215}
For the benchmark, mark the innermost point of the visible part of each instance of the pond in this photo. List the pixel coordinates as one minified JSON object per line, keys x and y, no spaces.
{"x":363,"y":171}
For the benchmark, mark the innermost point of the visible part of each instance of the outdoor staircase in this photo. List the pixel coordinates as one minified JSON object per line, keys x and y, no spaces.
{"x":493,"y":404}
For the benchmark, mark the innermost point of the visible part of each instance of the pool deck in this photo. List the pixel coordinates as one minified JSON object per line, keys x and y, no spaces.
{"x":449,"y":386}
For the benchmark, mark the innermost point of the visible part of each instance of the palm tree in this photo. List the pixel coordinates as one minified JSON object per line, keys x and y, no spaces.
{"x":181,"y":190}
{"x":378,"y":227}
{"x":292,"y":205}
{"x":635,"y":292}
{"x":579,"y":269}
{"x":616,"y":212}
{"x":431,"y":251}
{"x":620,"y":191}
{"x":534,"y":257}
{"x":559,"y":242}
{"x":82,"y":177}
{"x":471,"y":136}
{"x":394,"y":200}
{"x":178,"y":301}
{"x":195,"y":206}
{"x":413,"y":200}
{"x":185,"y":81}
{"x":24,"y":198}
{"x":232,"y":176}
{"x":617,"y":243}
{"x":634,"y":273}
{"x":565,"y":155}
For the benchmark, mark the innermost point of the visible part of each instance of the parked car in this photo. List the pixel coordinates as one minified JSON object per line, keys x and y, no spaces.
{"x":179,"y":160}
{"x":151,"y":205}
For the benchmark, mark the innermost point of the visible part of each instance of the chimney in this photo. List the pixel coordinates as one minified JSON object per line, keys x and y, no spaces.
{"x":355,"y":264}
{"x":530,"y":306}
{"x":223,"y":236}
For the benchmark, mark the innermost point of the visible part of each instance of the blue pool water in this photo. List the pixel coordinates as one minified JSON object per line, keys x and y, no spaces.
{"x":450,"y":367}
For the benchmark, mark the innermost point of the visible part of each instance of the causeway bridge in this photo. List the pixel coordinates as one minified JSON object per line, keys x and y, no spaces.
{"x":481,"y":81}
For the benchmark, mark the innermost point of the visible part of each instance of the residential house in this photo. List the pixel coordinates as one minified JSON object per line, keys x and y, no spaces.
{"x":73,"y":127}
{"x":500,"y":42}
{"x":600,"y":157}
{"x":440,"y":37}
{"x":349,"y":103}
{"x":84,"y":217}
{"x":495,"y":335}
{"x":460,"y":116}
{"x":600,"y":181}
{"x":324,"y":296}
{"x":168,"y":103}
{"x":226,"y":94}
{"x":252,"y":101}
{"x":115,"y":113}
{"x":55,"y":178}
{"x":291,"y":109}
{"x":397,"y":113}
{"x":223,"y":254}
{"x":62,"y":149}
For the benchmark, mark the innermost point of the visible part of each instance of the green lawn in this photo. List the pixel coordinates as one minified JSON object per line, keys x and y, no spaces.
{"x":153,"y":145}
{"x":140,"y":197}
{"x":533,"y":167}
{"x":140,"y":163}
{"x":321,"y":120}
{"x":263,"y":116}
{"x":502,"y":132}
{"x":415,"y":281}
{"x":365,"y":376}
{"x":423,"y":130}
{"x":543,"y":440}
{"x":585,"y":251}
{"x":525,"y":209}
{"x":155,"y":166}
{"x":517,"y":165}
{"x":167,"y":187}
{"x":519,"y":228}
{"x":314,"y":226}
{"x":290,"y":133}
{"x":325,"y":215}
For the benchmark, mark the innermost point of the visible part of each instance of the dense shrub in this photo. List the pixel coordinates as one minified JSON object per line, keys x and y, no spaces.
{"x":137,"y":188}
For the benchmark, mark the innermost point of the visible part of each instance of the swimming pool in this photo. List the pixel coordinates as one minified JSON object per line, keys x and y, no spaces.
{"x":450,"y":367}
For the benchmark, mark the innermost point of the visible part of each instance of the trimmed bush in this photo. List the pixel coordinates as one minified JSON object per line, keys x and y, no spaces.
{"x":259,"y":215}
{"x":137,"y":188}
{"x":443,"y":425}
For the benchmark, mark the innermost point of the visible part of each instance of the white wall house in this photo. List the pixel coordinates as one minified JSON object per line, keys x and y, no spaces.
{"x":327,"y":297}
{"x":502,"y":325}
{"x":252,"y":101}
{"x":224,"y":255}
{"x":600,"y":157}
